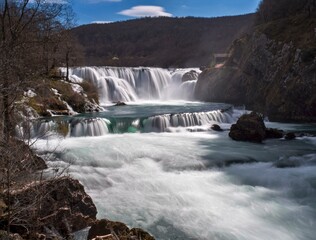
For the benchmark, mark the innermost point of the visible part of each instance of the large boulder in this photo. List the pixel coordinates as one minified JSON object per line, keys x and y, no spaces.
{"x":56,"y":208}
{"x":105,"y":229}
{"x":249,"y":127}
{"x":188,"y":76}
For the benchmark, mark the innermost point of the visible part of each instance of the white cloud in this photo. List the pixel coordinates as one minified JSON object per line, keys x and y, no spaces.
{"x":145,"y":11}
{"x":102,"y":22}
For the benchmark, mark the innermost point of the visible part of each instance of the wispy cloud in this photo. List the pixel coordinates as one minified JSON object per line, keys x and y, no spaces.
{"x":50,"y":1}
{"x":145,"y":11}
{"x":99,"y":1}
{"x":101,"y":22}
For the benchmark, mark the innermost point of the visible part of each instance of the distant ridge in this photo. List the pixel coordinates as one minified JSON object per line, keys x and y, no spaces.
{"x":161,"y":42}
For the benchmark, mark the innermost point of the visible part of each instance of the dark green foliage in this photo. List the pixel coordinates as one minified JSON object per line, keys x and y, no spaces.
{"x":270,"y":10}
{"x":163,"y":42}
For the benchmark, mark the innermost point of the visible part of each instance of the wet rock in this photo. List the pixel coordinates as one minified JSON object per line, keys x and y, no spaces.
{"x":188,"y":76}
{"x":216,"y":127}
{"x":290,"y":136}
{"x":105,"y":229}
{"x":249,"y":127}
{"x":119,"y":103}
{"x":274,"y":133}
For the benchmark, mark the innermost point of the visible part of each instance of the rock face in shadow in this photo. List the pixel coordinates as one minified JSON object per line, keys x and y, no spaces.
{"x":251,"y":128}
{"x":269,"y":76}
{"x":105,"y":229}
{"x":188,"y":76}
{"x":55,"y":208}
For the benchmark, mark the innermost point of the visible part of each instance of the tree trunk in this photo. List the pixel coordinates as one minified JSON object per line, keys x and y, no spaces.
{"x":67,"y":65}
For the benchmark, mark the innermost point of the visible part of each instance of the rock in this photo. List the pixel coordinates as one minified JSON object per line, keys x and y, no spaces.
{"x":105,"y":229}
{"x":119,"y":103}
{"x":216,"y":127}
{"x":290,"y":136}
{"x":57,"y":207}
{"x":5,"y":236}
{"x":266,"y":75}
{"x":188,"y":76}
{"x":274,"y":133}
{"x":249,"y":127}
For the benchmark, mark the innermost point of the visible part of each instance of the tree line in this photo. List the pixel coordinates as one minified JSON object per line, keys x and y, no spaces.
{"x":270,"y":10}
{"x":161,"y":42}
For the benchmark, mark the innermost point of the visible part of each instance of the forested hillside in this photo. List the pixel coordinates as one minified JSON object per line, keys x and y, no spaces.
{"x":162,"y":42}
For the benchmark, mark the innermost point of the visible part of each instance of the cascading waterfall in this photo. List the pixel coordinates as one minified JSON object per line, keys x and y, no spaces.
{"x":36,"y":129}
{"x":161,"y":123}
{"x":89,"y":127}
{"x":97,"y":126}
{"x":132,"y":84}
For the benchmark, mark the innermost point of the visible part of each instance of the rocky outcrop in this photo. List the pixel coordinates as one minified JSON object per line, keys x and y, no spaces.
{"x":55,"y":208}
{"x":270,"y":76}
{"x":216,"y":128}
{"x":188,"y":76}
{"x":251,"y":128}
{"x":105,"y":229}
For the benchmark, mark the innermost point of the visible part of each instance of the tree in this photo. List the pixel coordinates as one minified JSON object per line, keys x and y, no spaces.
{"x":30,"y":35}
{"x":270,"y":10}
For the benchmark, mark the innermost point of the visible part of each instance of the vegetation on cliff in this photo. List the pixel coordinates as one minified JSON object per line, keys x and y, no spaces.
{"x":271,"y":70}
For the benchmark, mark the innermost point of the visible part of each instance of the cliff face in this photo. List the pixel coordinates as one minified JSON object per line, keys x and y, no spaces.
{"x":270,"y":72}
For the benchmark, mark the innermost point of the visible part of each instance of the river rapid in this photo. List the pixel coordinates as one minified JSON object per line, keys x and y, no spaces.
{"x":157,"y":165}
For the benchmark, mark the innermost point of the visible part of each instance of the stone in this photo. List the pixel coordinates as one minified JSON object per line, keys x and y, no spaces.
{"x":119,"y":103}
{"x":216,"y":127}
{"x":290,"y":136}
{"x":189,"y":76}
{"x":106,"y":228}
{"x":274,"y":133}
{"x":59,"y":207}
{"x":249,"y":127}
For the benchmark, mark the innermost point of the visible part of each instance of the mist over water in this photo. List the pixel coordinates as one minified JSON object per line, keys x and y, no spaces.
{"x":158,"y":165}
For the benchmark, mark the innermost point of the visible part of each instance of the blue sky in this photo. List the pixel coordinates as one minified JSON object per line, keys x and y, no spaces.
{"x":88,"y":11}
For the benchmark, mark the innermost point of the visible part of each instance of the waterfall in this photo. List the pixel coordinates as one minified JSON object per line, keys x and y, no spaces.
{"x":161,"y":123}
{"x":35,"y":129}
{"x":132,"y":84}
{"x":89,"y":127}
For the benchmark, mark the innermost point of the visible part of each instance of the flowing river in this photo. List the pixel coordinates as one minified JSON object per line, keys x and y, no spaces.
{"x":156,"y":164}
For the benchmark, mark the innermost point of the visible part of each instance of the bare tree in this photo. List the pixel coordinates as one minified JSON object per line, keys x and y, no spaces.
{"x":30,"y":34}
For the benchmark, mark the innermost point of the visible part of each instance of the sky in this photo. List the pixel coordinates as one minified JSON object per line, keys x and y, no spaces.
{"x":103,"y":11}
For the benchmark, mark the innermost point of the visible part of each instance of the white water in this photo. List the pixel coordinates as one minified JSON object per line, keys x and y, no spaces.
{"x":175,"y":186}
{"x":92,"y":126}
{"x":178,"y":184}
{"x":132,"y":84}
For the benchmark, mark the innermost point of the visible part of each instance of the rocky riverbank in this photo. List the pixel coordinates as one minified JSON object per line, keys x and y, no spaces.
{"x":54,"y":208}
